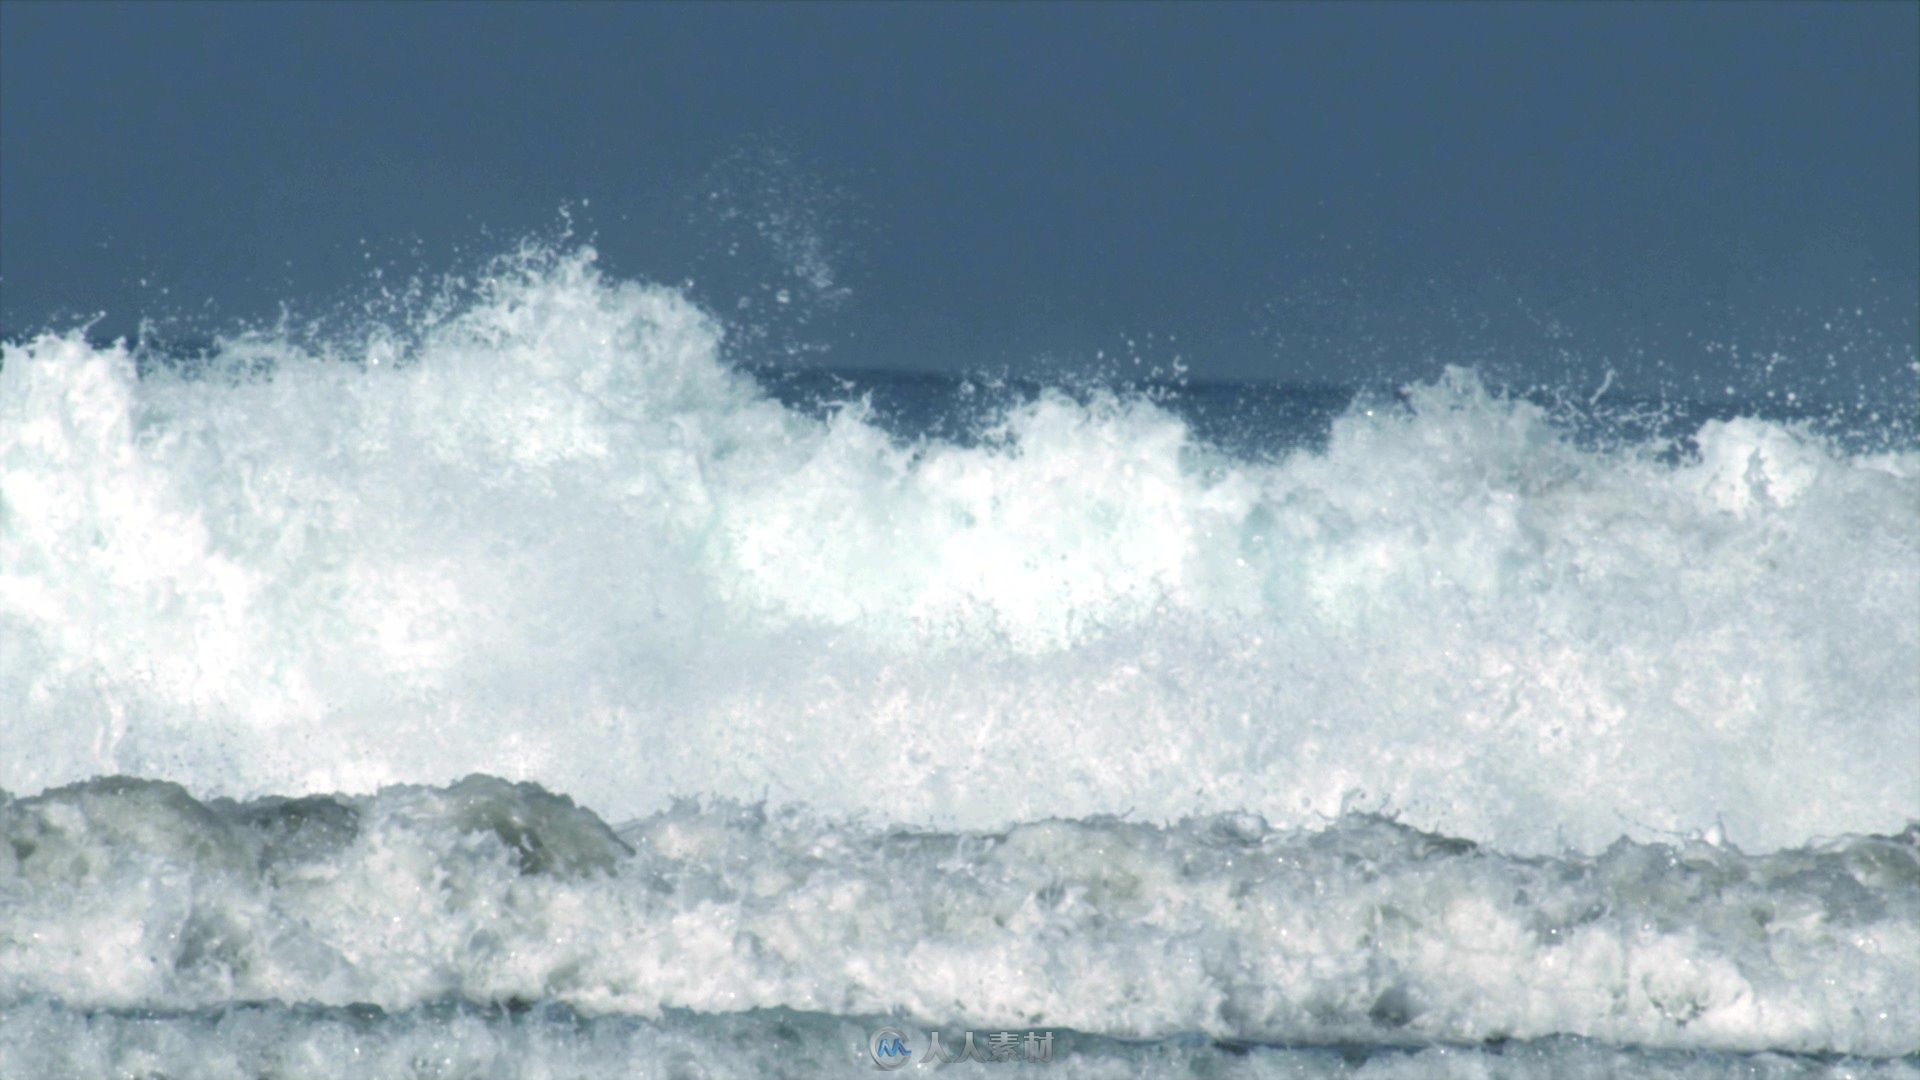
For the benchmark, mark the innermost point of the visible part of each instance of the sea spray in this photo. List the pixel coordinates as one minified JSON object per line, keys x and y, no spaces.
{"x":556,"y":537}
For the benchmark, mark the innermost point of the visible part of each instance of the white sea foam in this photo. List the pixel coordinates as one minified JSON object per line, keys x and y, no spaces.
{"x":555,"y":537}
{"x":131,"y":895}
{"x":306,"y":1044}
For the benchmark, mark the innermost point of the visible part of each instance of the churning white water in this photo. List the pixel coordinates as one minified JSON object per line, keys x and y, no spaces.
{"x":1080,"y":722}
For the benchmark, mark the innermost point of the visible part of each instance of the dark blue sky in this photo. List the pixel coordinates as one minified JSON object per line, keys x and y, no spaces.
{"x":1288,"y":191}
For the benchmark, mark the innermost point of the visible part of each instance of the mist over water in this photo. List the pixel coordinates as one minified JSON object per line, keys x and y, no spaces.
{"x":1256,"y":715}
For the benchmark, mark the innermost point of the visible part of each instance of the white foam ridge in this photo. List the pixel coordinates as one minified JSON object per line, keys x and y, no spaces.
{"x":125,"y":894}
{"x":556,"y":536}
{"x":43,"y":1039}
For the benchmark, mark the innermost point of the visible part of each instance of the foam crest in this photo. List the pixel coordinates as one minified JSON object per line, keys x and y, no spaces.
{"x":553,"y":535}
{"x":127,"y":894}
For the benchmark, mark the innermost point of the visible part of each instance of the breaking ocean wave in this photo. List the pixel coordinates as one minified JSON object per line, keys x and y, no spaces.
{"x":1410,"y":733}
{"x":418,"y":902}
